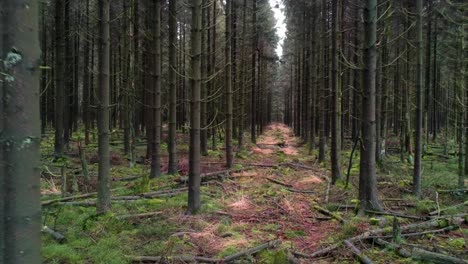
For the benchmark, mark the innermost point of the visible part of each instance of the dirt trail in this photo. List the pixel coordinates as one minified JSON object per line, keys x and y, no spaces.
{"x":258,"y":209}
{"x":268,"y":210}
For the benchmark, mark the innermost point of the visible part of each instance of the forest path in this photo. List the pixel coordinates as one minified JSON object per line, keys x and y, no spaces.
{"x":274,"y":202}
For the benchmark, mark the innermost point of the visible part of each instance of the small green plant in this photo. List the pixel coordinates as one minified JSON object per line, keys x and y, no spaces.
{"x":458,"y":243}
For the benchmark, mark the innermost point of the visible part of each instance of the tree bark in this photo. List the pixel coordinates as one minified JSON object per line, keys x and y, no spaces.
{"x":59,"y":77}
{"x":335,"y":142}
{"x":104,"y":199}
{"x":419,"y":101}
{"x":156,"y":137}
{"x":367,"y":174}
{"x":194,"y":202}
{"x":172,"y":146}
{"x":228,"y":139}
{"x":20,"y":208}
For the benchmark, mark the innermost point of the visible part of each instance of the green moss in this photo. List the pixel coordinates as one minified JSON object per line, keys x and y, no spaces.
{"x":108,"y":251}
{"x":294,"y":233}
{"x":458,"y":243}
{"x":54,"y":253}
{"x":374,"y":221}
{"x":273,"y":257}
{"x":424,"y":206}
{"x":227,"y":251}
{"x":443,"y":223}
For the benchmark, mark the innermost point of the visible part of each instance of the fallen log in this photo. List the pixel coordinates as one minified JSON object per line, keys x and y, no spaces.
{"x":433,"y":223}
{"x":138,"y":216}
{"x":328,"y":213}
{"x":64,"y":199}
{"x":83,"y":203}
{"x":421,"y":254}
{"x":396,"y":214}
{"x":169,"y":193}
{"x":213,"y":175}
{"x":362,"y":258}
{"x":55,"y":235}
{"x":270,"y":244}
{"x":441,"y":230}
{"x":182,"y":258}
{"x":131,"y":178}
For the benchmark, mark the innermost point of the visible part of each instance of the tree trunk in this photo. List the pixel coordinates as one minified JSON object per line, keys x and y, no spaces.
{"x":172,"y":147}
{"x":104,"y":199}
{"x":419,"y":101}
{"x":194,"y":202}
{"x":59,"y":77}
{"x":228,"y":139}
{"x":367,"y":174}
{"x":253,"y":106}
{"x":20,"y":208}
{"x":335,"y":142}
{"x":156,"y":137}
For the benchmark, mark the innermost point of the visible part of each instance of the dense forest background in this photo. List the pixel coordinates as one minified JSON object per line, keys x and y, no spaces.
{"x":170,"y":130}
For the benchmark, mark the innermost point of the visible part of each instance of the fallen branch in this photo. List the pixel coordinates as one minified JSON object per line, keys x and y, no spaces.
{"x":453,"y":191}
{"x":420,"y":254}
{"x":441,"y":230}
{"x":279,"y":182}
{"x":395,"y":214}
{"x":138,"y":216}
{"x":434,"y":223}
{"x":328,"y":213}
{"x":183,"y":259}
{"x":131,"y":178}
{"x":436,"y":212}
{"x":363,"y":258}
{"x":56,"y":235}
{"x":299,"y":191}
{"x":168,"y":193}
{"x":213,"y":175}
{"x":270,"y":244}
{"x":83,"y":204}
{"x":64,"y":199}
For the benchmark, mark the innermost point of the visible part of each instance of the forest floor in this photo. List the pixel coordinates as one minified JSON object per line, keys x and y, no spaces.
{"x":273,"y":197}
